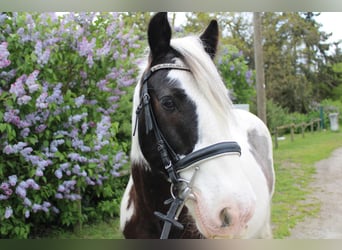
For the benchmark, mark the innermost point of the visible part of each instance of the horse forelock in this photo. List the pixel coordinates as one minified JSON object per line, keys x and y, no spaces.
{"x":205,"y":73}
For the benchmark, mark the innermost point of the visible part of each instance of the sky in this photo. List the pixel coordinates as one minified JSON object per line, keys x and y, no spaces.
{"x":331,"y":22}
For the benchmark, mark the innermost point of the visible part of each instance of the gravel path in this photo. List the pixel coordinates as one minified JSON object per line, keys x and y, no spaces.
{"x":328,"y":183}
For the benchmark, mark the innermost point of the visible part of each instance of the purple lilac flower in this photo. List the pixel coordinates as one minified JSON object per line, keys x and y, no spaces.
{"x":11,"y":116}
{"x":4,"y":186}
{"x":79,"y":101}
{"x":114,"y":173}
{"x":36,"y":208}
{"x":21,"y":191}
{"x":3,"y":17}
{"x":83,"y":74}
{"x":41,"y":101}
{"x":79,"y":144}
{"x":25,"y":132}
{"x":116,"y":55}
{"x":58,"y":196}
{"x":31,"y":118}
{"x":31,"y":81}
{"x":54,"y":144}
{"x":8,"y":76}
{"x":39,"y":172}
{"x":90,"y":60}
{"x":3,"y":197}
{"x":59,"y":173}
{"x":56,"y":96}
{"x":85,"y":48}
{"x":45,"y":206}
{"x":64,"y":166}
{"x":4,"y":62}
{"x":24,"y":99}
{"x":38,"y":48}
{"x":17,"y":88}
{"x":102,"y":85}
{"x":125,"y":81}
{"x":26,"y":151}
{"x":40,"y":128}
{"x":232,"y":67}
{"x":111,"y":29}
{"x":27,"y":214}
{"x":32,"y":184}
{"x":89,"y":181}
{"x":76,"y":169}
{"x":8,"y":212}
{"x":8,"y":149}
{"x":30,"y":22}
{"x":12,"y":180}
{"x":34,"y":159}
{"x":77,"y":157}
{"x":249,"y":76}
{"x":77,"y":118}
{"x":27,"y":202}
{"x":104,"y":50}
{"x":13,"y":149}
{"x":44,"y":57}
{"x":73,"y":197}
{"x":113,"y":75}
{"x":84,"y":128}
{"x":103,"y":127}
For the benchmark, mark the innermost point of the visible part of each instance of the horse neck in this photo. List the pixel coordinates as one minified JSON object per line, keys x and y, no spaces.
{"x":152,"y":188}
{"x":150,"y":191}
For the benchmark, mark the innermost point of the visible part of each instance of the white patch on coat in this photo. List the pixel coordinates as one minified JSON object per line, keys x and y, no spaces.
{"x":126,"y":212}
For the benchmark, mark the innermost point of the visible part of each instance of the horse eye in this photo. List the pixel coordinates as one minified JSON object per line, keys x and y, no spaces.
{"x":168,"y":103}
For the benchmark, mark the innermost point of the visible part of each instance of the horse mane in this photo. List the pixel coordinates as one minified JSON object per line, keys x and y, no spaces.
{"x":204,"y":71}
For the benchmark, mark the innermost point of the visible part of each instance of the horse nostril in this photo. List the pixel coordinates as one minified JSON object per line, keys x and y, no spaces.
{"x":225,"y":218}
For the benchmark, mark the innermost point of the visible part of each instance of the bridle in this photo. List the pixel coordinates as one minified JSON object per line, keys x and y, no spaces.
{"x":181,"y":189}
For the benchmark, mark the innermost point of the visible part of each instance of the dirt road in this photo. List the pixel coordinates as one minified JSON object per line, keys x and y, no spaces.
{"x":328,"y":186}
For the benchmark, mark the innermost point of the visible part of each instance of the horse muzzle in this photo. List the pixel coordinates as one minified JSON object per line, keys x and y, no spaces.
{"x":229,"y":220}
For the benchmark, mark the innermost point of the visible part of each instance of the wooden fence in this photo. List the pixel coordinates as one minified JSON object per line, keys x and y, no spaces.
{"x":292,"y":128}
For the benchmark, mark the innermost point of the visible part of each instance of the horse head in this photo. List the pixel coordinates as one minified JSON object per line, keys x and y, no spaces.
{"x":187,"y":137}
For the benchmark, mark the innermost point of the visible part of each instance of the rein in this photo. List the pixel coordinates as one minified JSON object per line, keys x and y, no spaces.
{"x":180,"y":189}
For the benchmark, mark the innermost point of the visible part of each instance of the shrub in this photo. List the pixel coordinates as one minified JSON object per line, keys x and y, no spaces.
{"x":278,"y":116}
{"x":61,"y":80}
{"x":239,"y":79}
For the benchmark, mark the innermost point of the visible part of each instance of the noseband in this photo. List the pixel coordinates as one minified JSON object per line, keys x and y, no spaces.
{"x":181,"y":189}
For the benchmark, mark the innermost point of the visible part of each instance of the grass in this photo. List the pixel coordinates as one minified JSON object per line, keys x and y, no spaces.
{"x":294,"y":165}
{"x":101,"y":230}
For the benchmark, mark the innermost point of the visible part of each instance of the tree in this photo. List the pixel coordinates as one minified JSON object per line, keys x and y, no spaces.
{"x":294,"y":52}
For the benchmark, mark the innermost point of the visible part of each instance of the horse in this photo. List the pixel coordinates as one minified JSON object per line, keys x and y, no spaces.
{"x":199,"y":167}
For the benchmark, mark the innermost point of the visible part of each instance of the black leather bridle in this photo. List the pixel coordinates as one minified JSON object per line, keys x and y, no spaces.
{"x":172,"y":162}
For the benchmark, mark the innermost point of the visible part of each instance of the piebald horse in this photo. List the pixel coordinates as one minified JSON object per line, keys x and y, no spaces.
{"x":199,"y":167}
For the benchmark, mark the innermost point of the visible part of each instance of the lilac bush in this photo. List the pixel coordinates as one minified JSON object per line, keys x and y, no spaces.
{"x":239,"y":79}
{"x":61,"y":79}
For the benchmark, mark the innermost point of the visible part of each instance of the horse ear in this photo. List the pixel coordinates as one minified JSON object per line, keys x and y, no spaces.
{"x":210,"y":38}
{"x":159,"y":34}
